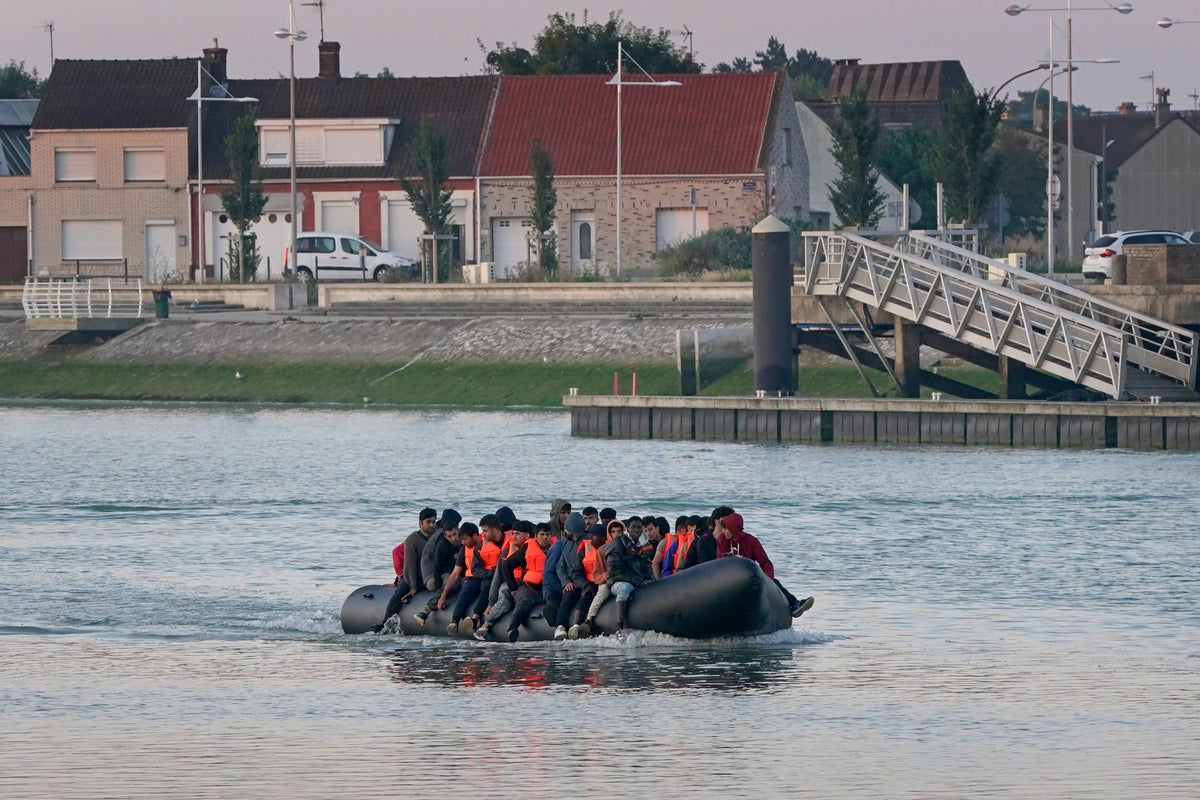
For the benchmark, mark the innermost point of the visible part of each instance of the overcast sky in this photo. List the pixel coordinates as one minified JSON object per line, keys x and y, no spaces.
{"x":440,"y":37}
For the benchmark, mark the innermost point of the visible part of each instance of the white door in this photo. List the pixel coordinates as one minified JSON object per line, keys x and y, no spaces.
{"x":274,"y":232}
{"x":674,"y":225}
{"x":339,"y":216}
{"x":160,"y":252}
{"x":510,"y":246}
{"x":404,"y":229}
{"x":583,"y":241}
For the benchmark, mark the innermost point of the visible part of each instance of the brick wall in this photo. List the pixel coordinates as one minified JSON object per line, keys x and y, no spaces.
{"x":109,"y":197}
{"x":1161,"y":264}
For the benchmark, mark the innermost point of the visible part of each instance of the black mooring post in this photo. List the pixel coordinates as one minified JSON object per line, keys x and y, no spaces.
{"x":771,"y":259}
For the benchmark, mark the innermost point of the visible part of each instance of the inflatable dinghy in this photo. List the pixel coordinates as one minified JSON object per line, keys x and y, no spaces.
{"x":726,"y":597}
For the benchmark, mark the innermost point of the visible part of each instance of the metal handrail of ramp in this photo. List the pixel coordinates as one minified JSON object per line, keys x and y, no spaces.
{"x":81,"y":298}
{"x":1154,"y":345}
{"x":965,"y":307}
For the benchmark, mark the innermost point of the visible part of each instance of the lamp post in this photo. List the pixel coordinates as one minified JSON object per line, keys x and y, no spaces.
{"x":1014,"y":10}
{"x":200,"y":100}
{"x":619,"y":81}
{"x":292,"y":35}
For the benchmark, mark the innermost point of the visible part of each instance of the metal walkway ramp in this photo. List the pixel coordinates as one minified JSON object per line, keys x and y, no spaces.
{"x":926,"y":278}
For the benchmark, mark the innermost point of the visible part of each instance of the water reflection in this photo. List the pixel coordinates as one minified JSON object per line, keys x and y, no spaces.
{"x":599,"y":665}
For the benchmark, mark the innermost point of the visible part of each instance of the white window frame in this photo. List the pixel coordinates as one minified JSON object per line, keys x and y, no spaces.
{"x":157,"y":167}
{"x":312,"y":141}
{"x":75,"y":165}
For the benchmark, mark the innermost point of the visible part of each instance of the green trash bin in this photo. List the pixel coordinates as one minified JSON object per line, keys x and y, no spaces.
{"x":162,"y":303}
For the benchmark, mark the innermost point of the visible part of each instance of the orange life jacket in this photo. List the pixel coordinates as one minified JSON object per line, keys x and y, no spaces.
{"x":685,"y":540}
{"x":489,"y":555}
{"x":590,"y":558}
{"x":510,"y":547}
{"x":535,"y":563}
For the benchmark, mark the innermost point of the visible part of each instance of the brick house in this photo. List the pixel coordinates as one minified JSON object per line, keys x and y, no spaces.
{"x":733,"y":139}
{"x":16,"y":186}
{"x":109,"y":155}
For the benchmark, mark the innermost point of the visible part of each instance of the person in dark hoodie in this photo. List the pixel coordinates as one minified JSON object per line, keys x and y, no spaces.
{"x":732,"y":540}
{"x":704,"y":546}
{"x":564,"y":560}
{"x":559,"y":509}
{"x":434,"y":554}
{"x":628,"y":568}
{"x":443,"y":549}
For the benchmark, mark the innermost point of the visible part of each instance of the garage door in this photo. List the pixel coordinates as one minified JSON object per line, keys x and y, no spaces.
{"x":674,"y":225}
{"x":12,"y":255}
{"x":404,"y":229}
{"x":274,"y":232}
{"x":509,"y":245}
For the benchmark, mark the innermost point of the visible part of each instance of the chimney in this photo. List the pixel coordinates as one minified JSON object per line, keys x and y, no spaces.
{"x":1162,"y":109}
{"x":216,"y":62}
{"x":1127,"y":109}
{"x":330,"y":60}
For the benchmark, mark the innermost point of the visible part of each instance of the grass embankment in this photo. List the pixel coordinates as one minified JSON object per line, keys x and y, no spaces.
{"x":458,"y":383}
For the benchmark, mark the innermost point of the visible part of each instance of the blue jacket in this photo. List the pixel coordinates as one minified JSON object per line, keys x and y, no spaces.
{"x":550,"y":581}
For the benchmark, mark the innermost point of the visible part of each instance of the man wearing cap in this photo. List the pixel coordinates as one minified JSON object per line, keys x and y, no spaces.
{"x":414,"y":548}
{"x":732,"y":540}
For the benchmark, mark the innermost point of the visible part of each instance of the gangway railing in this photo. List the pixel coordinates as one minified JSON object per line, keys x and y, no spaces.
{"x":79,"y":298}
{"x":1153,"y":344}
{"x":966,"y":307}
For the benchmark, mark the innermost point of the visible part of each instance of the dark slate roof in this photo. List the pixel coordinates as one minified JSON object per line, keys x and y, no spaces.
{"x":15,"y":116}
{"x":97,"y":94}
{"x":713,"y":124}
{"x":459,"y":106}
{"x":1127,"y":132}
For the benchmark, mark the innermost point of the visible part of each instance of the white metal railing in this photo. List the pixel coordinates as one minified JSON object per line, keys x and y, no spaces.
{"x":1153,"y":345}
{"x":75,"y":298}
{"x":966,"y":307}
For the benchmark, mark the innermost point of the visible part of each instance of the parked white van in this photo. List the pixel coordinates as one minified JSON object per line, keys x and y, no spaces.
{"x":343,"y":256}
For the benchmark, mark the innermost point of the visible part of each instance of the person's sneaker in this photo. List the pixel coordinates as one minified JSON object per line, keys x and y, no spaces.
{"x":452,"y":629}
{"x":573,"y":632}
{"x":468,"y":625}
{"x":514,"y":634}
{"x":481,"y":634}
{"x":585,"y":629}
{"x":420,"y":617}
{"x":800,"y":606}
{"x":560,"y":632}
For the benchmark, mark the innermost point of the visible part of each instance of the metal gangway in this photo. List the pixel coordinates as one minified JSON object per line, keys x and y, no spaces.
{"x":78,"y":303}
{"x":926,"y":278}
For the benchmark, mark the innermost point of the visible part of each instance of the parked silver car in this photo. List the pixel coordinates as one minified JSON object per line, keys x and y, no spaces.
{"x":1097,"y":259}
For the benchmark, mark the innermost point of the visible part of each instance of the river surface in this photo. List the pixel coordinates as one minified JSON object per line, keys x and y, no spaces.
{"x":989,"y":623}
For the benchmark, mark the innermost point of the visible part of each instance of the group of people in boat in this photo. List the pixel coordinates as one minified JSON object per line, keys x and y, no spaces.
{"x":571,"y":563}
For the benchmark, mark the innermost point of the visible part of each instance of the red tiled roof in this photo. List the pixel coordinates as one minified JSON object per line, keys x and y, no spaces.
{"x":713,"y":124}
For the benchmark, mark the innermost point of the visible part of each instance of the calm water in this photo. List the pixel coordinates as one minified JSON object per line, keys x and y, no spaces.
{"x":989,"y":623}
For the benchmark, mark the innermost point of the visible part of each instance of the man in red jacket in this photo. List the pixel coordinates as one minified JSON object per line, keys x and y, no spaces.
{"x":732,"y":540}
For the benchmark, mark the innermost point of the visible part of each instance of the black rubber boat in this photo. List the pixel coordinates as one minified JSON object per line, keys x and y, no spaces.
{"x":727,"y":597}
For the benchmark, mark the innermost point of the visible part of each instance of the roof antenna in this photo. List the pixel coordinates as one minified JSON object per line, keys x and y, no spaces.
{"x":320,"y":6}
{"x":48,"y":27}
{"x":1149,"y":76}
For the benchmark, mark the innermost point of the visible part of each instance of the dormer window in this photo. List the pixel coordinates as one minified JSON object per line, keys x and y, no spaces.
{"x":327,"y":142}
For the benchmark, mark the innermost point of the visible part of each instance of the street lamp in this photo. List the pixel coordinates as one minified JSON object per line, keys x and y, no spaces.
{"x":1014,"y":10}
{"x":1167,"y":22}
{"x":292,"y":35}
{"x":1050,"y":162}
{"x":997,"y":90}
{"x":200,"y":99}
{"x":618,"y":81}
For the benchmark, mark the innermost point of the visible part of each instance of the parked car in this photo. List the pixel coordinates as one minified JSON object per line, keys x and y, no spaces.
{"x":1097,"y":259}
{"x":348,"y":257}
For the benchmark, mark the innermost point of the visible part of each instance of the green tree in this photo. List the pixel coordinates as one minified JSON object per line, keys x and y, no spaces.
{"x":567,"y":47}
{"x":243,"y":198}
{"x":429,"y":154}
{"x":965,"y":159}
{"x":774,"y":57}
{"x":17,"y":84}
{"x":542,"y":204}
{"x":739,"y":65}
{"x":1022,"y":184}
{"x":904,"y":157}
{"x":855,"y":194}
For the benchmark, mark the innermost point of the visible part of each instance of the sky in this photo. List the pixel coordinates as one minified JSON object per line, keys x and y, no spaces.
{"x":442,"y":37}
